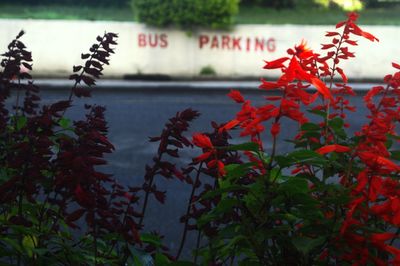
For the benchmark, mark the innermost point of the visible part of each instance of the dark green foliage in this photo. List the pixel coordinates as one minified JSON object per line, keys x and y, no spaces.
{"x":186,"y":13}
{"x":279,"y":4}
{"x":381,"y":4}
{"x":271,"y":3}
{"x":70,"y":2}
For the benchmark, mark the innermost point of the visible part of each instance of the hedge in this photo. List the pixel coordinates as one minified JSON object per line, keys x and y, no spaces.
{"x":186,"y":13}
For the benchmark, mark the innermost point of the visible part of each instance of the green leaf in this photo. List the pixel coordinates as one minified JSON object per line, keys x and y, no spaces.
{"x":224,"y":206}
{"x":395,"y":155}
{"x":336,"y":123}
{"x":305,"y":245}
{"x":395,"y":137}
{"x":206,"y":218}
{"x":21,"y":122}
{"x":220,"y":191}
{"x":318,"y":112}
{"x":294,"y":185}
{"x":134,"y":259}
{"x":283,"y":161}
{"x":290,"y":217}
{"x":230,"y":247}
{"x":275,"y":175}
{"x":306,"y":156}
{"x":234,"y":171}
{"x":140,"y":258}
{"x":181,"y":263}
{"x":65,"y":123}
{"x":161,"y":260}
{"x":257,"y":191}
{"x":249,"y":146}
{"x":4,"y":175}
{"x":29,"y":243}
{"x":13,"y":243}
{"x":151,"y":239}
{"x":300,"y":156}
{"x":310,"y":127}
{"x":389,"y":143}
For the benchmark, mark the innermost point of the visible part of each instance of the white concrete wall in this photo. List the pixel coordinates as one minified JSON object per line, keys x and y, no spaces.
{"x":57,"y":45}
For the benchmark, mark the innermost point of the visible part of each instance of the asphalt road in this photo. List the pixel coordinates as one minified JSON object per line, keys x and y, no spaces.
{"x":136,"y":110}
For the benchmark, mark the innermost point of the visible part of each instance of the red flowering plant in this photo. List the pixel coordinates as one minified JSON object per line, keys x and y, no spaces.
{"x":56,"y":206}
{"x":334,"y":199}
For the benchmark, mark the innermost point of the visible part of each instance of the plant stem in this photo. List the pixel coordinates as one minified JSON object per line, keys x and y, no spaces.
{"x":331,"y":81}
{"x":146,"y":197}
{"x":18,"y":96}
{"x":145,"y":202}
{"x":185,"y":229}
{"x":196,"y":253}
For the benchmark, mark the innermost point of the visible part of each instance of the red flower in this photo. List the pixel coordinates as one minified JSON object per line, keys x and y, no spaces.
{"x":219,"y":165}
{"x":269,"y":85}
{"x":236,"y":96}
{"x":321,"y":88}
{"x":382,"y":237}
{"x":275,"y":129}
{"x":278,"y":63}
{"x":352,"y":16}
{"x":357,"y":31}
{"x":231,"y":124}
{"x":375,"y":160}
{"x":202,"y":141}
{"x":302,"y":51}
{"x":210,"y":153}
{"x":332,"y":148}
{"x":203,"y":157}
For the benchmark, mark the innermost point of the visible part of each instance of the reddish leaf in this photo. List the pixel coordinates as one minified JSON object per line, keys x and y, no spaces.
{"x":88,"y":80}
{"x":75,"y":215}
{"x":331,"y":33}
{"x":354,"y":43}
{"x":342,"y":74}
{"x":160,"y":196}
{"x":340,"y":24}
{"x":396,"y":65}
{"x":76,"y":68}
{"x":85,"y":56}
{"x":327,"y":46}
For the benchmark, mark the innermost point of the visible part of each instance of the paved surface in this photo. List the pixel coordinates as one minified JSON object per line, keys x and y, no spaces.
{"x":136,"y":110}
{"x":175,"y":85}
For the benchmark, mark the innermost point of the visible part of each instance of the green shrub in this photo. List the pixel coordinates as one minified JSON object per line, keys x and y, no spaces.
{"x":207,"y":71}
{"x":186,"y":13}
{"x":278,"y":4}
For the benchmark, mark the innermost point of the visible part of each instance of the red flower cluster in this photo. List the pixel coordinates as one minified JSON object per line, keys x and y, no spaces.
{"x":375,"y":194}
{"x":210,"y":155}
